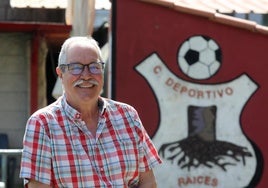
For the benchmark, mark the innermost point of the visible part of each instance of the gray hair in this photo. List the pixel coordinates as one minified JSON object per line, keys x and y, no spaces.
{"x":63,"y":52}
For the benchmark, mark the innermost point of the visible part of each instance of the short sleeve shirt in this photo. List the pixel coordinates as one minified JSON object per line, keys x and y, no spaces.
{"x":59,"y":150}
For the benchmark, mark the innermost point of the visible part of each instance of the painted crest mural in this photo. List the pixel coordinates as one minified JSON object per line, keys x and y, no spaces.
{"x":200,"y":137}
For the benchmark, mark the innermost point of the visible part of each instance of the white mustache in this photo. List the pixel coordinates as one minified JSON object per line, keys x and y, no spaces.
{"x":78,"y":82}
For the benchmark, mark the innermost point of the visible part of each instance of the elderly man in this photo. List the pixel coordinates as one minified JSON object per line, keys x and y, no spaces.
{"x":83,"y":139}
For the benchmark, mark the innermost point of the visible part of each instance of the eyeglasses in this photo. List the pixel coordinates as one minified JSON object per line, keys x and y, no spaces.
{"x":78,"y":68}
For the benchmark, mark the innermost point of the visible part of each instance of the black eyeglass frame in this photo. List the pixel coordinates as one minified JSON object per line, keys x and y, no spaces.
{"x":81,"y":68}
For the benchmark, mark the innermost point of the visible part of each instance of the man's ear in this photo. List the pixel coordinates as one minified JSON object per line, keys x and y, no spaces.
{"x":59,"y":73}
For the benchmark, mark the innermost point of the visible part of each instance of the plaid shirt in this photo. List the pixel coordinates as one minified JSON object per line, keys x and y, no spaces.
{"x":60,"y":151}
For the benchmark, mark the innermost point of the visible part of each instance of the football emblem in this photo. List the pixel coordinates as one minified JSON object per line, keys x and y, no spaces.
{"x":199,"y":57}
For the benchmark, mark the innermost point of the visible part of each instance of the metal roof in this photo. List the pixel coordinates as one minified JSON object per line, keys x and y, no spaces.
{"x":211,"y":15}
{"x":228,"y":6}
{"x":52,"y":4}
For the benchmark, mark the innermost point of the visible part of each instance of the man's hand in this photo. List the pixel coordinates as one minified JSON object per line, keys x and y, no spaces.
{"x":147,"y":180}
{"x":36,"y":184}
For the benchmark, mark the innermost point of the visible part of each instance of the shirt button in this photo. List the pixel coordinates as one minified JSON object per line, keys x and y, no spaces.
{"x":101,"y":169}
{"x":77,"y":116}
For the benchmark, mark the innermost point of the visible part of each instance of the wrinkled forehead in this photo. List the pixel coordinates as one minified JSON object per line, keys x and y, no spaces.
{"x":82,"y":48}
{"x":82,"y":53}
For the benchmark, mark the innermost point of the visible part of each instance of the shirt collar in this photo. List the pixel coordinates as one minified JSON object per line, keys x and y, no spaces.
{"x":102,"y":104}
{"x":70,"y":111}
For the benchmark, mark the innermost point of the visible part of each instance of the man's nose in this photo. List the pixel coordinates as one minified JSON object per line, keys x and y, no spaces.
{"x":86,"y":71}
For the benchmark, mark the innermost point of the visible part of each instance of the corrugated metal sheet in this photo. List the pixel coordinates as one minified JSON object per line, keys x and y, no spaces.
{"x":39,"y":3}
{"x":228,"y":6}
{"x":62,"y":4}
{"x":211,"y":15}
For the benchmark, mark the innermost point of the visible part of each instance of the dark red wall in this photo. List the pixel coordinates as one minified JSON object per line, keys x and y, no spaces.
{"x":140,"y":29}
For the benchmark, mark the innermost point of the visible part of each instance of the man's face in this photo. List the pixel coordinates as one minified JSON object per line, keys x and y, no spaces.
{"x":76,"y":94}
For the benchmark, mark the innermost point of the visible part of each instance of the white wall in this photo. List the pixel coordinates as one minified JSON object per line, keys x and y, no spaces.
{"x":14,"y":85}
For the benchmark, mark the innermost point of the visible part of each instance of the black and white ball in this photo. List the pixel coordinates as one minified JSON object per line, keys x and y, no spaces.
{"x":199,"y":57}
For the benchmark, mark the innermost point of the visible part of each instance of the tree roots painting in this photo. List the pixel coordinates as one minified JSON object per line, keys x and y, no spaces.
{"x":194,"y":152}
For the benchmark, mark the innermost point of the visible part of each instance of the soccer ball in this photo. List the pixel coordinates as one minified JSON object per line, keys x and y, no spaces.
{"x":199,"y":57}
